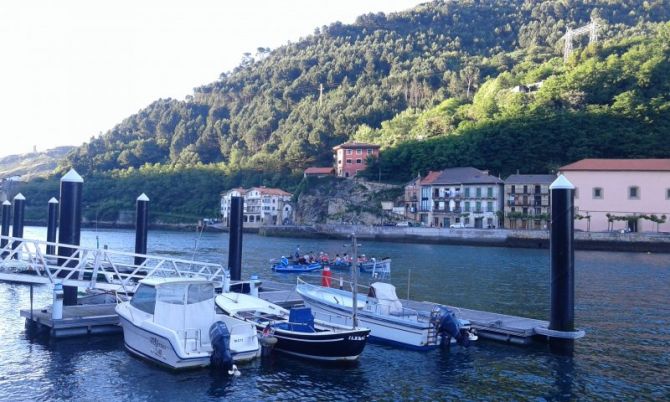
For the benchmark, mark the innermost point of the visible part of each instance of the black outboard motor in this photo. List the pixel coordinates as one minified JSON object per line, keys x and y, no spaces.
{"x":219,"y":336}
{"x":448,"y":326}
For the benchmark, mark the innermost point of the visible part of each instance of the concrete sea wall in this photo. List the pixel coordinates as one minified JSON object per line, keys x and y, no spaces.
{"x":608,"y":241}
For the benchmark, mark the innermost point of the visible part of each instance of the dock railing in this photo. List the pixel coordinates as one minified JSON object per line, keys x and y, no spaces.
{"x":26,"y":261}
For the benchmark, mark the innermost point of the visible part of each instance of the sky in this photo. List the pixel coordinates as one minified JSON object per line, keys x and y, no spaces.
{"x":70,"y":70}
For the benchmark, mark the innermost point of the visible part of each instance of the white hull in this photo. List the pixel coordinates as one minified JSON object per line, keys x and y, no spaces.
{"x":413,"y":335}
{"x":159,"y":348}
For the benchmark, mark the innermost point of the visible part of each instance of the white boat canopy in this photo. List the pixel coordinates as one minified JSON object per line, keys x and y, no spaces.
{"x":386,"y":297}
{"x":185,"y":305}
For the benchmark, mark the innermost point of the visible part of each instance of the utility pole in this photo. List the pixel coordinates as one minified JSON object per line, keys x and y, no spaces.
{"x":591,"y":29}
{"x":320,"y":94}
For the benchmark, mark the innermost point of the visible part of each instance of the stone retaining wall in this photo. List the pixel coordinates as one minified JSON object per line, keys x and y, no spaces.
{"x":614,"y":241}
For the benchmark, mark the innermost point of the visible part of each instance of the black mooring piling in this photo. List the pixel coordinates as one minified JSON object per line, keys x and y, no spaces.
{"x":69,"y":229}
{"x":235,"y":242}
{"x":141,"y":226}
{"x":52,"y":221}
{"x":562,"y":258}
{"x":6,"y":214}
{"x":17,"y":225}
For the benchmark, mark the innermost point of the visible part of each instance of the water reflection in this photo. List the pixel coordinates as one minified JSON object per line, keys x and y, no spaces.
{"x":621,"y":302}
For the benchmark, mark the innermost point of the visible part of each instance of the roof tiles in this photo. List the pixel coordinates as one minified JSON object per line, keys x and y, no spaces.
{"x":619,"y":165}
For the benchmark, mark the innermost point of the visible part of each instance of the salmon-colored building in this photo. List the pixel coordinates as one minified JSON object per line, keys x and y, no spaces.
{"x":621,"y":194}
{"x":351,"y":157}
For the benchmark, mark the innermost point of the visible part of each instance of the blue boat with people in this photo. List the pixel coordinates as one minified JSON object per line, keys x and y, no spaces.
{"x":292,"y":266}
{"x":381,"y":267}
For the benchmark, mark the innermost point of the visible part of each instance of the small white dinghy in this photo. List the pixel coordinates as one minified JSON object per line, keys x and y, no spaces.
{"x":174,"y":322}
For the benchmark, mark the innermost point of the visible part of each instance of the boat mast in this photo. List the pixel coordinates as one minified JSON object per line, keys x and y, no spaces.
{"x":354,"y":273}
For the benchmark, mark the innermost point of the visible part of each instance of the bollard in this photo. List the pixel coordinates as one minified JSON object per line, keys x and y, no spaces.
{"x":254,"y":284}
{"x":562,"y":317}
{"x":235,"y":241}
{"x":69,"y":230}
{"x":57,"y":306}
{"x":141,"y":227}
{"x":52,"y":223}
{"x":6,"y":212}
{"x":226,"y":282}
{"x":562,"y":255}
{"x":17,"y":226}
{"x":325,"y":276}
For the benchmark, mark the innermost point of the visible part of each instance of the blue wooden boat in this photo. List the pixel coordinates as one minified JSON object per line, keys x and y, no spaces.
{"x":339,"y":265}
{"x":381,"y":268}
{"x":286,"y":266}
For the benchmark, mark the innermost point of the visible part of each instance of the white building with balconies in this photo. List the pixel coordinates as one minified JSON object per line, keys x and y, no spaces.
{"x":262,"y":206}
{"x":461,"y":197}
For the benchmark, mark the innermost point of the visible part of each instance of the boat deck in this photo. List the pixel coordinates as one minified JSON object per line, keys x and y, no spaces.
{"x":282,"y":294}
{"x":499,"y":327}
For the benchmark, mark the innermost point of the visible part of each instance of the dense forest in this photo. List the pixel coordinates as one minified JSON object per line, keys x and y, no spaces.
{"x":611,"y":100}
{"x":431,"y":85}
{"x":268,"y":112}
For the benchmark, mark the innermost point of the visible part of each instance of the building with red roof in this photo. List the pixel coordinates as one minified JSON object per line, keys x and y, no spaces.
{"x":351,"y":157}
{"x":462,"y":197}
{"x":319,"y":171}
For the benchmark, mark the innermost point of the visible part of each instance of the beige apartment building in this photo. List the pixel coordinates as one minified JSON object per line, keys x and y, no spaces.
{"x":621,"y":194}
{"x":528,"y":201}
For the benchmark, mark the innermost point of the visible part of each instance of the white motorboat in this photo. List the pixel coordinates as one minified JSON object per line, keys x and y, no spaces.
{"x":296,"y":331}
{"x":174,"y":322}
{"x":380,"y":310}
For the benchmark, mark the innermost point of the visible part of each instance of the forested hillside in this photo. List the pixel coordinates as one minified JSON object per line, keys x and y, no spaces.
{"x":267,"y":114}
{"x":432,"y":85}
{"x":611,"y":100}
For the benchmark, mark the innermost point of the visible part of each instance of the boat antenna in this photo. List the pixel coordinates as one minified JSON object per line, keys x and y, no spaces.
{"x":196,"y":241}
{"x":354,"y":293}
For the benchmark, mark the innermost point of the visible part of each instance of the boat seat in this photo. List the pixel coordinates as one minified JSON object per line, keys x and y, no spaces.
{"x":301,"y":315}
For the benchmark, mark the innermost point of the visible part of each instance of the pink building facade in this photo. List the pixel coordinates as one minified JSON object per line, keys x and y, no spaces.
{"x":634,"y":192}
{"x":351,"y":157}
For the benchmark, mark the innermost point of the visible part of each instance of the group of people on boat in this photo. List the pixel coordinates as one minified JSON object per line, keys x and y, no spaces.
{"x":324,"y":258}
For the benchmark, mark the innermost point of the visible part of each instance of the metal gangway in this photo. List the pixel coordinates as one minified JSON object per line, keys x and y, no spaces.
{"x":27,"y":261}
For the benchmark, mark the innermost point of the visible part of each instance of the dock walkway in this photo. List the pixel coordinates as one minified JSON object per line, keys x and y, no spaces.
{"x":102,"y":319}
{"x":88,"y":319}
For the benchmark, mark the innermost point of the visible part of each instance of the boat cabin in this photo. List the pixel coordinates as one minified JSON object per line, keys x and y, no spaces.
{"x":385,"y":298}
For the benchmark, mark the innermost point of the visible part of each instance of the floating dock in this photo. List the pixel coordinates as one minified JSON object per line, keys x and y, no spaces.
{"x":116,"y":274}
{"x":88,"y":319}
{"x":492,"y":326}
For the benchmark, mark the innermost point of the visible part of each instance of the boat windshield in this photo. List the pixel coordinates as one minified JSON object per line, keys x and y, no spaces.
{"x":185,"y":305}
{"x":144,"y":298}
{"x":185,"y":293}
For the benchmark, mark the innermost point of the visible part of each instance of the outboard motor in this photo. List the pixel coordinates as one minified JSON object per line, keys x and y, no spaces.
{"x":448,"y":326}
{"x":220,"y":338}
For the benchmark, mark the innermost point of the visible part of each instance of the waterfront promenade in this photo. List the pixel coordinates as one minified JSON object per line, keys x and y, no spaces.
{"x":609,"y":241}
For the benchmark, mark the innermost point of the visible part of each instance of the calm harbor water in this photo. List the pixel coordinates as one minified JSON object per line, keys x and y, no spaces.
{"x":621,"y":302}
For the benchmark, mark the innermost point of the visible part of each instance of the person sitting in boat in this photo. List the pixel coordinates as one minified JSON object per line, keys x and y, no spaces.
{"x":304,"y":258}
{"x":346,"y":258}
{"x":338,"y":259}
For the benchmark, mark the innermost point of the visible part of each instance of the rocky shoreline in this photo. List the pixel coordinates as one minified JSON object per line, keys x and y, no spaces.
{"x":603,"y":241}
